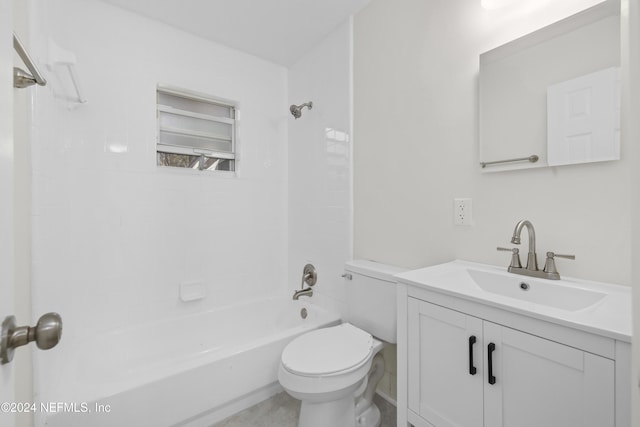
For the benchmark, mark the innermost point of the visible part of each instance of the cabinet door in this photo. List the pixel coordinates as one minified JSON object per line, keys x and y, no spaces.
{"x":543,"y":383}
{"x":445,"y":365}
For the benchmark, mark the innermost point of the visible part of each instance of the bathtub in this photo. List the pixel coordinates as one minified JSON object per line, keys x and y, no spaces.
{"x":189,"y":371}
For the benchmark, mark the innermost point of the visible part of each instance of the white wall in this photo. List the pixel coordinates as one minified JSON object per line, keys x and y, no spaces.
{"x":415,"y":115}
{"x":320,"y":156}
{"x":113,"y":235}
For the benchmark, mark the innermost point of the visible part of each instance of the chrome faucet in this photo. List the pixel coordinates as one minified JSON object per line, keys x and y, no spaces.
{"x":310,"y":277}
{"x":549,"y":271}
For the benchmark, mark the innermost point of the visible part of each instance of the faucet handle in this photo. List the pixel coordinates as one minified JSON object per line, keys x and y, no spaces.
{"x":515,"y":256}
{"x":550,"y":264}
{"x":553,"y":254}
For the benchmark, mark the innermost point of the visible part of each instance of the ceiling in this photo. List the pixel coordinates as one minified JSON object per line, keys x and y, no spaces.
{"x":280,"y":31}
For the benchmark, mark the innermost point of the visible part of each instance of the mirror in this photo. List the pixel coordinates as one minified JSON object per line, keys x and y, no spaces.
{"x":552,"y":97}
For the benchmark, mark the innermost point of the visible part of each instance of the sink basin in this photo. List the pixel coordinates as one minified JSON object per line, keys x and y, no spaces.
{"x":595,"y":307}
{"x":543,"y":292}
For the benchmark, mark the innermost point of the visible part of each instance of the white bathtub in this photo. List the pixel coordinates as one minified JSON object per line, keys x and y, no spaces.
{"x":188,"y":371}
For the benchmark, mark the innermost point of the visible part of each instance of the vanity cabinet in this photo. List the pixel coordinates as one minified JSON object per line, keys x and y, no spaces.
{"x":481,"y":347}
{"x":465,"y":371}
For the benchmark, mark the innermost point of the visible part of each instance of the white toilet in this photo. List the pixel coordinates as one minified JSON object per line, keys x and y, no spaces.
{"x":334,"y":371}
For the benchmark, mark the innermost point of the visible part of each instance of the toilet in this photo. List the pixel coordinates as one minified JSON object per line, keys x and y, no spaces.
{"x":334,"y":371}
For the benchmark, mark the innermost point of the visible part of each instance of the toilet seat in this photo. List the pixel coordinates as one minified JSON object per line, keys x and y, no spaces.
{"x":328,"y":351}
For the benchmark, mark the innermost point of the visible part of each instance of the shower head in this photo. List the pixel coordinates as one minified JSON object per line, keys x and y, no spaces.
{"x":296,"y":110}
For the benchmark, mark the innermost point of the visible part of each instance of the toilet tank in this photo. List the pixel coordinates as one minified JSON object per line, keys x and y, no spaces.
{"x":371,"y":297}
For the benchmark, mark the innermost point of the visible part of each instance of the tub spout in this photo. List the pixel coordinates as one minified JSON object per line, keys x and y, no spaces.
{"x":302,"y":292}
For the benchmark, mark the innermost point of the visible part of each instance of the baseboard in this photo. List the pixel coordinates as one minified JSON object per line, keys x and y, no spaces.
{"x":386,"y":397}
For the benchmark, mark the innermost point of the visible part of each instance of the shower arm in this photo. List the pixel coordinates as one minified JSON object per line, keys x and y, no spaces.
{"x":37,"y":77}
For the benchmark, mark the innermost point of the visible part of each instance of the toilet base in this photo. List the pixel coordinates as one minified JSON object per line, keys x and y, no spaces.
{"x":337,"y":413}
{"x":367,"y":413}
{"x":370,"y":417}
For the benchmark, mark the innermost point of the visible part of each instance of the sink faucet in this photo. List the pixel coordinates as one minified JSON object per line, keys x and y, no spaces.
{"x":532,"y":258}
{"x":549,"y":271}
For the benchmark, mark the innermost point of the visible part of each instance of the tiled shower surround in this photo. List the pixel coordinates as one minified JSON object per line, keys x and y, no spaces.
{"x":114,"y":235}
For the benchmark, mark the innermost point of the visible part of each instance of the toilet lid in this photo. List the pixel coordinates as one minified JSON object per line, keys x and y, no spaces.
{"x":327,"y":351}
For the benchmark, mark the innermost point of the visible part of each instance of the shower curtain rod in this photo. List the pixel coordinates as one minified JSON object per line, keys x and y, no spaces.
{"x":36,"y":77}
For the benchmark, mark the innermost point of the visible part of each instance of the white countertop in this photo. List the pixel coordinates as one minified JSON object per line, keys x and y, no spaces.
{"x":609,"y":316}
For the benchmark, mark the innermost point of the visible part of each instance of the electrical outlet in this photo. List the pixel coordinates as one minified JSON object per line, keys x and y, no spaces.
{"x":462,"y":212}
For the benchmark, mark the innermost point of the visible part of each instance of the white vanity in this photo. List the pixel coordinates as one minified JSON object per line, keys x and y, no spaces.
{"x":478,"y":346}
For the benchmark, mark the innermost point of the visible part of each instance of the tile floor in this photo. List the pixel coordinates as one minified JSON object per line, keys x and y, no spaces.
{"x":282,"y":411}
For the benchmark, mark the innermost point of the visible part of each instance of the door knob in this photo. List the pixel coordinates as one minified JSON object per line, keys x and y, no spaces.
{"x":46,"y":334}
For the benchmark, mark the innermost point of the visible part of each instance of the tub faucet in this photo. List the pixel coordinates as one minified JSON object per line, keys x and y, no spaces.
{"x":302,"y":292}
{"x":310,"y":277}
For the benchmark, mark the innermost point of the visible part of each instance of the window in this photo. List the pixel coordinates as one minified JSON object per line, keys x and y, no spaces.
{"x":195,"y":131}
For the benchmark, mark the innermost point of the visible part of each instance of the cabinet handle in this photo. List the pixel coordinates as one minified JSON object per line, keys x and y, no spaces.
{"x":472,"y":341}
{"x":491,"y":348}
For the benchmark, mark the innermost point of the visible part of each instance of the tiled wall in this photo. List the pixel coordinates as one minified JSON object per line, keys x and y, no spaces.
{"x":320,"y":157}
{"x":320,"y":174}
{"x":113,"y":235}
